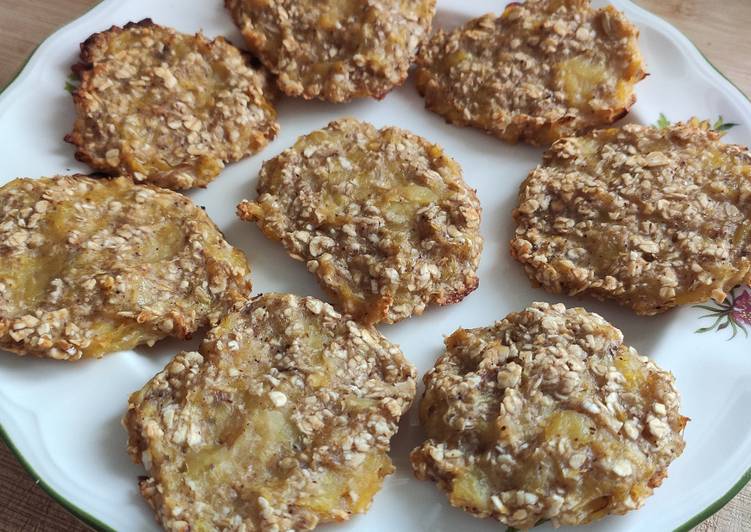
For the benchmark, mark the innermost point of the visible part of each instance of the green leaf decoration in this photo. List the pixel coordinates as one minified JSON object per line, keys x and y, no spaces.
{"x":741,"y":327}
{"x":662,"y":121}
{"x":735,"y":329}
{"x":71,"y":84}
{"x":719,"y":308}
{"x":710,"y":327}
{"x":538,"y":523}
{"x":721,"y":125}
{"x":725,"y":315}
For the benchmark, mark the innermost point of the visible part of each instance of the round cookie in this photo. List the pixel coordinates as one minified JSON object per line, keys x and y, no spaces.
{"x":335,"y":50}
{"x":544,"y":69}
{"x":91,"y":266}
{"x":547,"y":415}
{"x":281,"y":422}
{"x":381,"y":217}
{"x":649,"y":217}
{"x":167,"y":108}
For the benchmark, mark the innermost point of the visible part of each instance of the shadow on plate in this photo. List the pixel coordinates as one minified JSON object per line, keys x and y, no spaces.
{"x":114,"y":445}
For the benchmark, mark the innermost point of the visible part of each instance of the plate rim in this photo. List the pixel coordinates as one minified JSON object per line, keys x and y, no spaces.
{"x":99,"y":525}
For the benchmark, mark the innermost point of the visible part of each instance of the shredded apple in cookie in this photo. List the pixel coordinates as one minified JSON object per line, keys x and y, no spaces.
{"x":547,"y":415}
{"x":649,"y":217}
{"x":335,"y":50}
{"x":541,"y":70}
{"x":282,"y":421}
{"x":91,"y":266}
{"x":167,"y":108}
{"x":383,"y":218}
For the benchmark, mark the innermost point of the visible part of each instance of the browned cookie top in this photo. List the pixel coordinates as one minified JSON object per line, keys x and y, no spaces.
{"x":167,"y":108}
{"x":383,"y":218}
{"x":542,"y":70}
{"x":547,"y":415}
{"x":335,"y":50}
{"x":283,"y":420}
{"x":91,"y":266}
{"x":649,"y":217}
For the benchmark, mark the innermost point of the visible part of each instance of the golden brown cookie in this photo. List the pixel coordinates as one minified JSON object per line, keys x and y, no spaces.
{"x":335,"y":50}
{"x":283,"y":420}
{"x":542,"y":70}
{"x":382,"y":218}
{"x":91,"y":266}
{"x":649,"y":217}
{"x":167,"y":108}
{"x":547,"y":415}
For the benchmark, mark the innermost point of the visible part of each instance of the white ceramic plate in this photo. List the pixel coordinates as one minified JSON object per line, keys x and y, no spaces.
{"x":63,"y":420}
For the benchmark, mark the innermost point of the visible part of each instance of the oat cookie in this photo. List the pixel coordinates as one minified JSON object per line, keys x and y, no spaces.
{"x":283,"y":420}
{"x":167,"y":108}
{"x":381,"y":217}
{"x":547,"y":415}
{"x":335,"y":50}
{"x":542,"y":70}
{"x":649,"y":217}
{"x":91,"y":266}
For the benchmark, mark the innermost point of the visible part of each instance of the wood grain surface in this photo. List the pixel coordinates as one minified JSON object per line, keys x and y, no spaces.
{"x":719,"y":28}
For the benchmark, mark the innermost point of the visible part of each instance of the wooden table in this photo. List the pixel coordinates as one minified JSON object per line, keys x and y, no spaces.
{"x":719,"y":28}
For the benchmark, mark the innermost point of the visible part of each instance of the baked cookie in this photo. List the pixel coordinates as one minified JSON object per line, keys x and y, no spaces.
{"x":91,"y":266}
{"x":547,"y":415}
{"x":542,"y":70}
{"x":649,"y":217}
{"x":167,"y":108}
{"x":335,"y":50}
{"x":381,"y":217}
{"x":282,"y":421}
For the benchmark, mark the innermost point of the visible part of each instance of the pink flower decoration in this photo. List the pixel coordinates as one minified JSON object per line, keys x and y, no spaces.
{"x":742,"y":308}
{"x":733,"y":314}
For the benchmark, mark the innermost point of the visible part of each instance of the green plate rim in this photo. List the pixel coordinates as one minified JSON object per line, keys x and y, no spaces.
{"x":82,"y":515}
{"x":98,"y":525}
